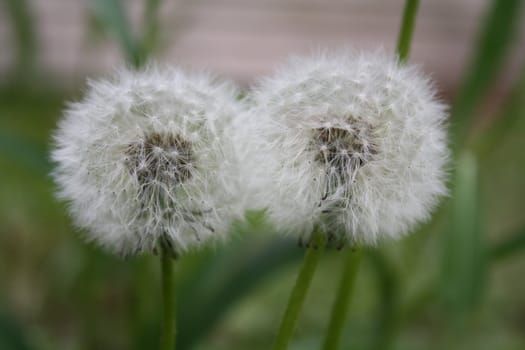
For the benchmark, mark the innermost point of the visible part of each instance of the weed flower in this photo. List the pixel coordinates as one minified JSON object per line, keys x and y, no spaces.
{"x":147,"y":158}
{"x":354,"y":142}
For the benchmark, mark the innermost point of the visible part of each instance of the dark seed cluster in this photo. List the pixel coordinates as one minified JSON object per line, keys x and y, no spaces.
{"x":343,"y":150}
{"x":164,"y":158}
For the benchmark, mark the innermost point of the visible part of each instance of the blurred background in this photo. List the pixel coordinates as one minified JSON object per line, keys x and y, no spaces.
{"x":456,"y":283}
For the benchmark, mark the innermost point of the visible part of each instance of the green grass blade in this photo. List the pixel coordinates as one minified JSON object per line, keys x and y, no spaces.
{"x":514,"y":110}
{"x":493,"y":45}
{"x":151,"y":29}
{"x":388,"y":322}
{"x":510,"y":247}
{"x":407,"y":29}
{"x":236,"y":271}
{"x":463,"y":256}
{"x":111,"y":14}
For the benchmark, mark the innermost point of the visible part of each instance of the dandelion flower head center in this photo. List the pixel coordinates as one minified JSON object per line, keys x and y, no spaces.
{"x":165,"y":158}
{"x":343,"y":149}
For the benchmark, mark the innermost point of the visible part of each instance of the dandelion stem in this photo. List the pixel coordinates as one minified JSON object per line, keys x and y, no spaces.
{"x":407,"y":28}
{"x":342,"y":300}
{"x":296,"y":301}
{"x":346,"y":287}
{"x":168,"y":301}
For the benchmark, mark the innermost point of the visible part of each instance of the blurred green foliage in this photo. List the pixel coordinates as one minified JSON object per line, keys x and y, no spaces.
{"x":26,"y":45}
{"x":111,"y":16}
{"x":490,"y":52}
{"x":455,"y":284}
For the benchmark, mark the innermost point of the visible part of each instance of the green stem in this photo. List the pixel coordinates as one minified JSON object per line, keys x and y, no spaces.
{"x":342,"y":300}
{"x":296,"y":301}
{"x":407,"y":28}
{"x":344,"y":295}
{"x":168,"y":302}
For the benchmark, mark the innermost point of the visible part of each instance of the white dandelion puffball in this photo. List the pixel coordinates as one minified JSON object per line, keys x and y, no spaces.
{"x":147,"y":158}
{"x":353,"y":142}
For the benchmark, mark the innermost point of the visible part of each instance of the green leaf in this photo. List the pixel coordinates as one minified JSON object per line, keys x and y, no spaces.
{"x":464,"y":253}
{"x":514,"y":110}
{"x":493,"y":44}
{"x":407,"y":28}
{"x":151,"y":28}
{"x":112,"y":16}
{"x":223,"y":279}
{"x":388,"y":320}
{"x":510,"y":247}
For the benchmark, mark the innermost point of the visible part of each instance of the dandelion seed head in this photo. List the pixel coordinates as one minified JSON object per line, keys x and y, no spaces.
{"x":352,"y":141}
{"x":147,"y":157}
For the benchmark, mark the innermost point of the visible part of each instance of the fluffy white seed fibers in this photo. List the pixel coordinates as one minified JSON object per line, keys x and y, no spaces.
{"x":354,"y":142}
{"x":148,"y":157}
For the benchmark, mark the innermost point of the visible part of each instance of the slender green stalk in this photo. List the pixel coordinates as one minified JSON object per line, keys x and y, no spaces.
{"x":344,"y":296}
{"x":342,"y":300}
{"x":407,"y":28}
{"x":296,"y":301}
{"x":168,"y":302}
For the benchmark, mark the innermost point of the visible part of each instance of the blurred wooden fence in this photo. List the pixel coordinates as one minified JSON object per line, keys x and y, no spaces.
{"x":243,"y":39}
